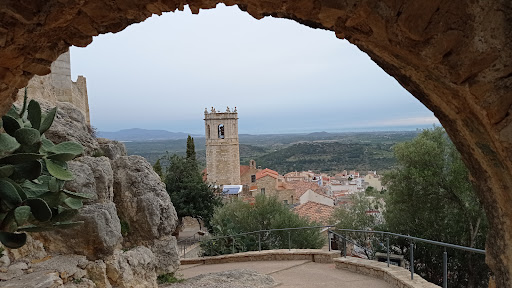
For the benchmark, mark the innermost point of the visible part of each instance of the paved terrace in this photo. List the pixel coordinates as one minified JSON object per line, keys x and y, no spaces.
{"x":307,"y":268}
{"x":293,"y":273}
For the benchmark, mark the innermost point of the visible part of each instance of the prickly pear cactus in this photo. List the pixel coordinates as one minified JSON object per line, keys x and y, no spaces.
{"x":33,"y":171}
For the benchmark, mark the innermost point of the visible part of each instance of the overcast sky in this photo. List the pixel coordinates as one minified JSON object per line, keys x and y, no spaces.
{"x":282,"y":76}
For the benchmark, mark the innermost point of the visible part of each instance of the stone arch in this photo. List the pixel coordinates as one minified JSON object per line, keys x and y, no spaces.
{"x":453,"y":56}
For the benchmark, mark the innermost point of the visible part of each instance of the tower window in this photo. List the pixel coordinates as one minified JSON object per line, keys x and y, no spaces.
{"x":221,"y":131}
{"x":208,"y":135}
{"x":253,"y":178}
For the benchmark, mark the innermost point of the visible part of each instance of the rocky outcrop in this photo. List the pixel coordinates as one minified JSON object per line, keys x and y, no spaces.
{"x":32,"y":251}
{"x":42,"y":279}
{"x":84,"y":179}
{"x":111,"y":148}
{"x":97,"y":272}
{"x":97,"y":238}
{"x":90,"y":254}
{"x":103,"y":177}
{"x":166,"y":255}
{"x":142,"y":200}
{"x":132,"y":269}
{"x":70,"y":125}
{"x":146,"y":210}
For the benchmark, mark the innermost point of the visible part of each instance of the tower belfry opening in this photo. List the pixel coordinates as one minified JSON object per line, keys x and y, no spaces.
{"x":222,"y":147}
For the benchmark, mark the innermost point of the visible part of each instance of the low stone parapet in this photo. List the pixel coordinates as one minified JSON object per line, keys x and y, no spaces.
{"x":394,"y":275}
{"x":313,"y":255}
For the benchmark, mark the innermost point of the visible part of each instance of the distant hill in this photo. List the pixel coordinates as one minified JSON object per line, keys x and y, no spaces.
{"x":137,"y":134}
{"x":320,"y":134}
{"x":325,"y":152}
{"x":330,"y":157}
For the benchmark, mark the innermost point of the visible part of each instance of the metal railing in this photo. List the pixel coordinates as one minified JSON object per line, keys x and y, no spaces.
{"x":260,"y":232}
{"x":411,"y":248}
{"x":331,"y":230}
{"x":187,"y":242}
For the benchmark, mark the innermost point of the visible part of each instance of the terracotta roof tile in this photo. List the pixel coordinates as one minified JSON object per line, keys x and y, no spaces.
{"x":301,"y":187}
{"x":315,"y":211}
{"x":267,"y":172}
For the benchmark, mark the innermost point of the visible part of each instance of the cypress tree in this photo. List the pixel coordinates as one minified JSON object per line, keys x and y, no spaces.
{"x":191,"y":150}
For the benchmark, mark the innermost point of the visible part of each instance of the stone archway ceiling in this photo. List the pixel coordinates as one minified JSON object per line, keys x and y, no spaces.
{"x":454,"y":56}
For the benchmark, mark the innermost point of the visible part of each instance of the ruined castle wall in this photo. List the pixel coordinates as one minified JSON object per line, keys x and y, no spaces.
{"x":58,"y":87}
{"x":79,"y":96}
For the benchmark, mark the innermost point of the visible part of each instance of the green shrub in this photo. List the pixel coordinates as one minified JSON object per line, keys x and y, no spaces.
{"x":125,"y":228}
{"x":169,"y":278}
{"x":266,"y":213}
{"x":98,"y":153}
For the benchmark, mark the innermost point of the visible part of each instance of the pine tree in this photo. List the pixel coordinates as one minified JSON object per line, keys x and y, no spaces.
{"x":158,"y":169}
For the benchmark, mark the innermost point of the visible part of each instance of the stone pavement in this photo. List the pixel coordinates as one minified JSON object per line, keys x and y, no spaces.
{"x":294,"y":273}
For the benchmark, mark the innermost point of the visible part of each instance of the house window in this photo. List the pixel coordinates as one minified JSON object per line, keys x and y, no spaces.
{"x":262,"y":191}
{"x":253,"y":178}
{"x":221,"y":131}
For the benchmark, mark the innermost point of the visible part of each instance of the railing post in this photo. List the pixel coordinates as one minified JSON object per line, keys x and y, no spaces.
{"x":329,"y":238}
{"x":289,"y":241}
{"x":412,"y":260}
{"x":259,"y":241}
{"x":387,"y":245}
{"x":445,"y":269}
{"x":233,"y":248}
{"x":344,"y":246}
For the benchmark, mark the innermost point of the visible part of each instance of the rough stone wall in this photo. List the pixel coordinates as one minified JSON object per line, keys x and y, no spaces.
{"x":269,"y":184}
{"x":453,"y":56}
{"x":222,"y":155}
{"x":286,"y":194}
{"x":58,"y":87}
{"x":246,"y":177}
{"x":80,"y":98}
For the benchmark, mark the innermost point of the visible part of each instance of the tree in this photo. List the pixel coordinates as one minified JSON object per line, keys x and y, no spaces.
{"x":191,"y":149}
{"x":430,"y":196}
{"x":356,"y":216}
{"x":266,"y":213}
{"x":158,"y":169}
{"x":190,"y":195}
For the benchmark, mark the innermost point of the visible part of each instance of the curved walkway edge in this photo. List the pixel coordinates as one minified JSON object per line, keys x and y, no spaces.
{"x":395,"y":276}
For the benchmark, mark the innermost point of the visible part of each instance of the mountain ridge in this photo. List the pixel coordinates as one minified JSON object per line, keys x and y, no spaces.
{"x":139,"y":134}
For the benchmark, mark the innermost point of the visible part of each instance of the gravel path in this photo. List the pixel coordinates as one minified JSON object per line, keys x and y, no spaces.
{"x":239,"y":278}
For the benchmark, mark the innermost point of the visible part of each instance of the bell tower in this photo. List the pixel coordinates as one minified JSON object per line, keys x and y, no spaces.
{"x":222,"y":152}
